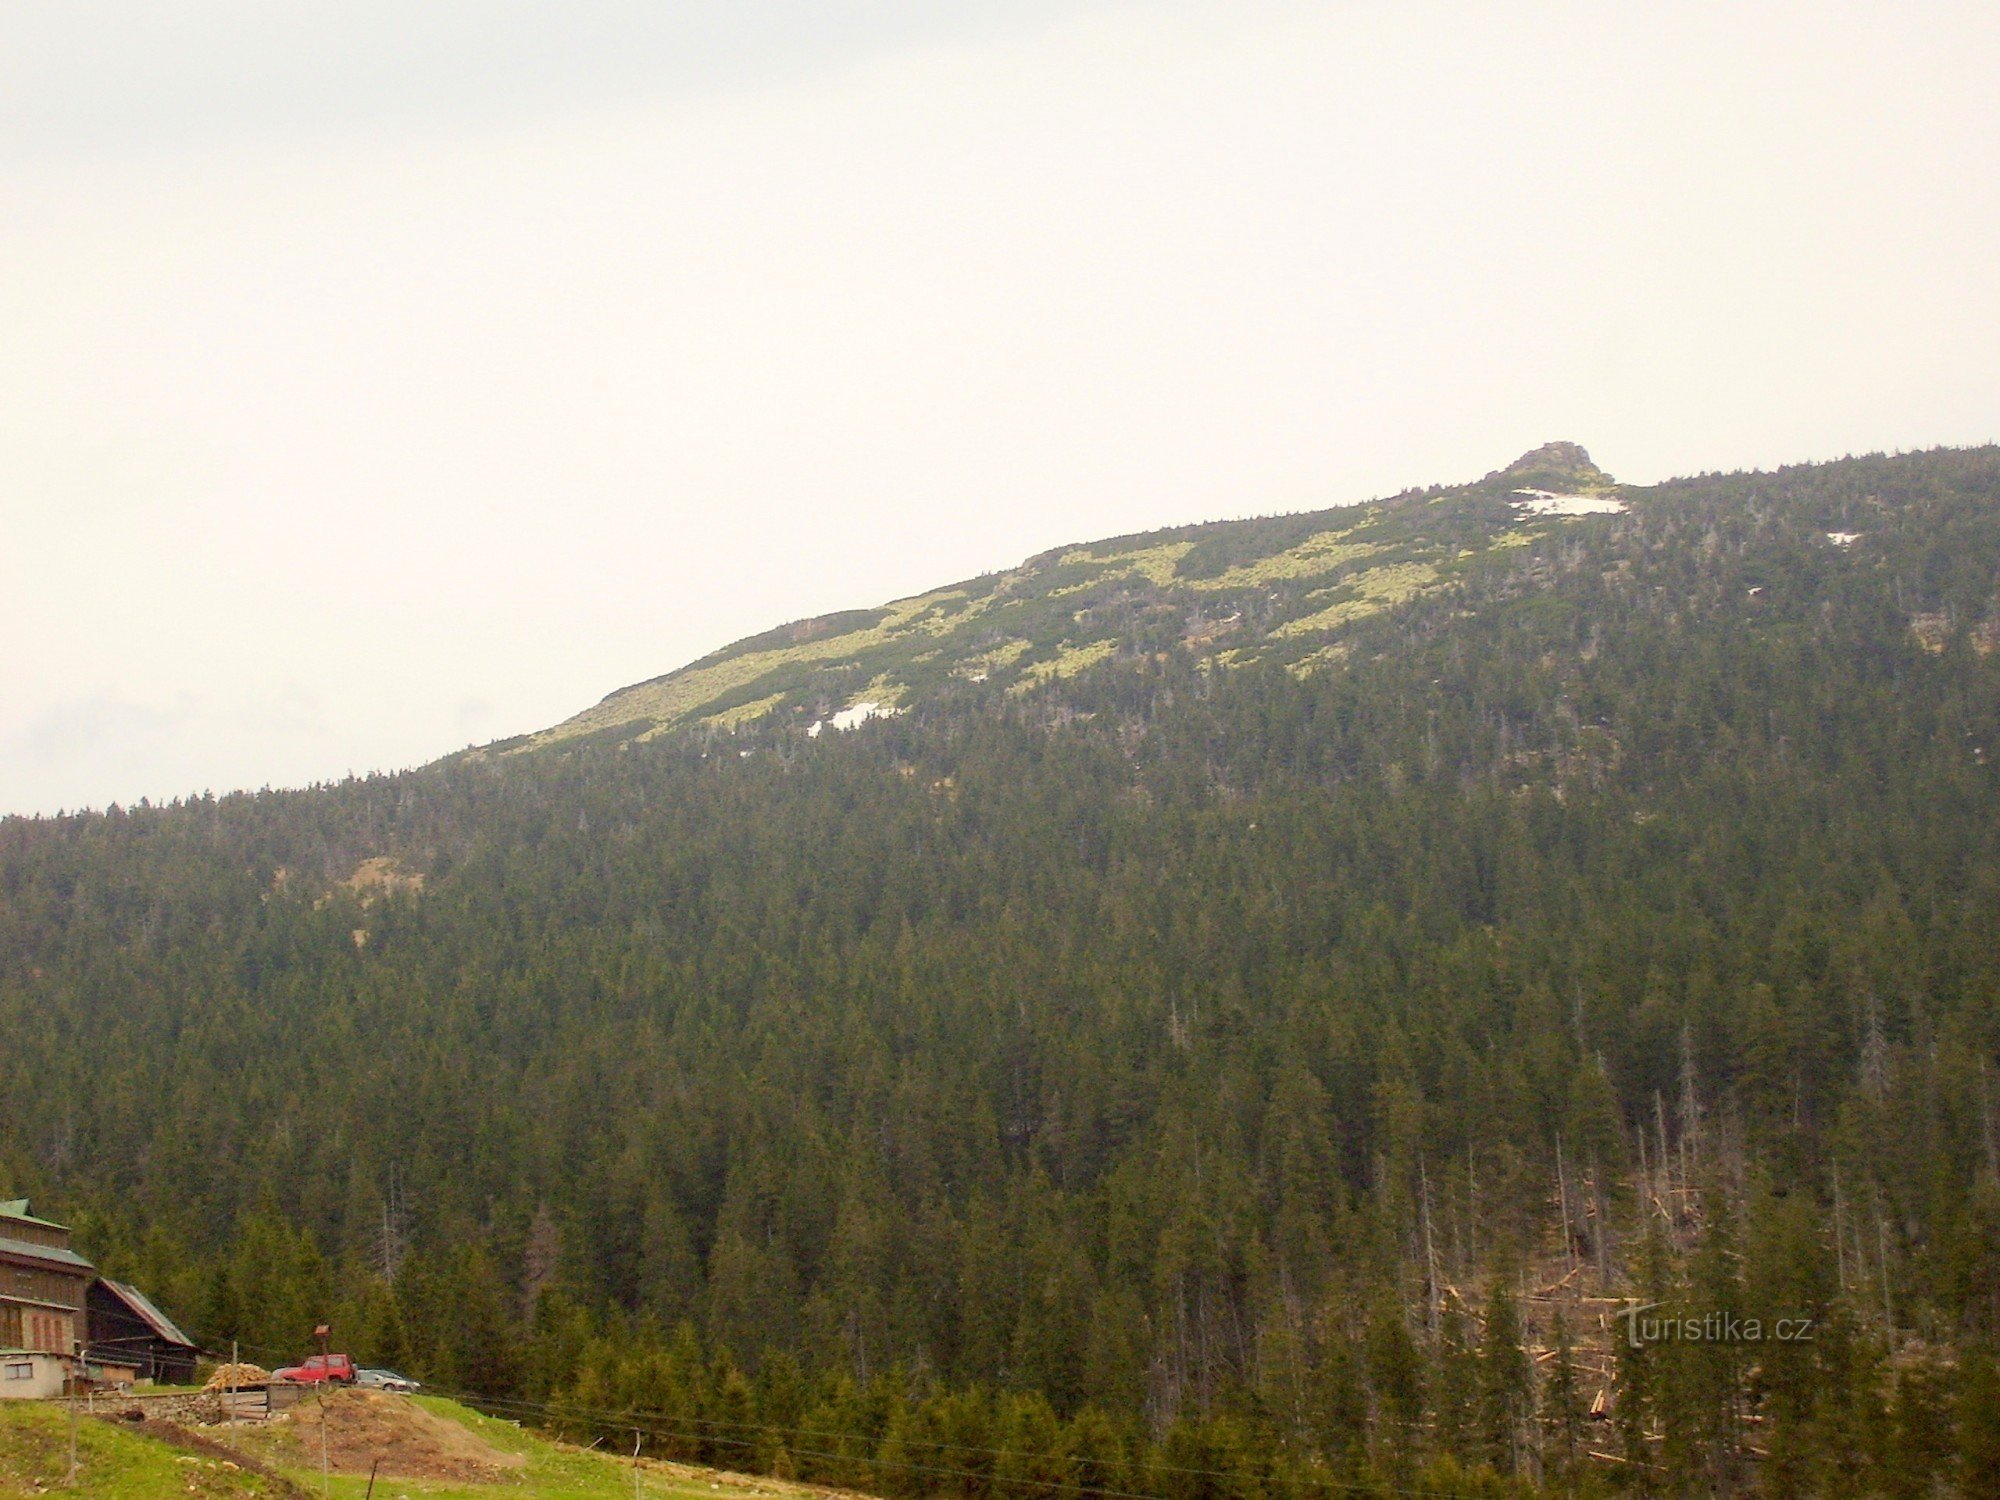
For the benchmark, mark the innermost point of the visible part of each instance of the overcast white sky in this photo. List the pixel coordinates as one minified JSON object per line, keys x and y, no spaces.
{"x":379,"y":378}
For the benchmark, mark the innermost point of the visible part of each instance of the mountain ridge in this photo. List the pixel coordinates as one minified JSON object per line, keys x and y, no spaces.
{"x":1284,"y":589}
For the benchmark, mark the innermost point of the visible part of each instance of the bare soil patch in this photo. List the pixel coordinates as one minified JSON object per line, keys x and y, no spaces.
{"x":410,"y":1442}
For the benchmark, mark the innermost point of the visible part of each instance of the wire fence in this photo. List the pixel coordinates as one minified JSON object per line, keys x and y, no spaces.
{"x":744,"y":1435}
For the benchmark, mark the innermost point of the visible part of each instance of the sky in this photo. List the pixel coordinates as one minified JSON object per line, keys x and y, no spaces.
{"x":382,"y":378}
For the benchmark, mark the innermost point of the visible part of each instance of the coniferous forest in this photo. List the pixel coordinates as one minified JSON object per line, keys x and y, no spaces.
{"x":1171,"y":1079}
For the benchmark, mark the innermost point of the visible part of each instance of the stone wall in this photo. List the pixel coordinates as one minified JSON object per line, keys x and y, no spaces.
{"x":162,"y":1406}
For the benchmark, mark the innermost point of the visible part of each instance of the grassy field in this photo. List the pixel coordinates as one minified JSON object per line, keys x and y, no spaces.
{"x":113,"y":1462}
{"x":429,"y":1449}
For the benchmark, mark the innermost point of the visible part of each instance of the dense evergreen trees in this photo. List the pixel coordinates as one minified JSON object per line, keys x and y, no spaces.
{"x":1179,"y":1082}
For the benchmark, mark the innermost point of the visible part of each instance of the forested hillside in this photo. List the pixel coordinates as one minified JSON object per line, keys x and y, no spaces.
{"x":1176,"y":1075}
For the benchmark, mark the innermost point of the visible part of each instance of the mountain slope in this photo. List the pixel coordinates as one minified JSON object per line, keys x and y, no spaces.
{"x":1284,"y":590}
{"x":1174,"y":1067}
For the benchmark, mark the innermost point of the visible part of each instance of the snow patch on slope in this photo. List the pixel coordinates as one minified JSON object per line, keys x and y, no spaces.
{"x":851,"y":718}
{"x":1549,"y":503}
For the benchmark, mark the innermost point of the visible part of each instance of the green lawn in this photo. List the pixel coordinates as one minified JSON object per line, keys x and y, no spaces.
{"x":551,"y":1471}
{"x":123,"y":1463}
{"x":113,"y":1463}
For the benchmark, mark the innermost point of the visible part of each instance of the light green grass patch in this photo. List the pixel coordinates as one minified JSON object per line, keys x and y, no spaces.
{"x":1326,"y":656}
{"x":1320,"y":553}
{"x":1066,"y":663}
{"x":1378,"y":590}
{"x":680,"y":696}
{"x":732,"y":718}
{"x":885,"y":690}
{"x":1155,"y":564}
{"x":986,"y":663}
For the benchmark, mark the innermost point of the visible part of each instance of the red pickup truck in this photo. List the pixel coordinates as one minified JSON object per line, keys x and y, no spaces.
{"x":321,"y":1369}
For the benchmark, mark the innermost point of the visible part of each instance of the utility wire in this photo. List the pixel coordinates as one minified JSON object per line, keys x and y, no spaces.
{"x":662,"y":1424}
{"x":658,"y":1424}
{"x":670,"y":1425}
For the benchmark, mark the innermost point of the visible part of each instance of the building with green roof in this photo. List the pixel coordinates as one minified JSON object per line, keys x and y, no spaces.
{"x":43,"y":1284}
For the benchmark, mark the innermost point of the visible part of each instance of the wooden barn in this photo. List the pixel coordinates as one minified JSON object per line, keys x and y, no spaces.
{"x":127,"y":1329}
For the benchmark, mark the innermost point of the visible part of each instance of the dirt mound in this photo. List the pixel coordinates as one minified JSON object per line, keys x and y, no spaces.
{"x":412,"y":1443}
{"x":232,"y":1377}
